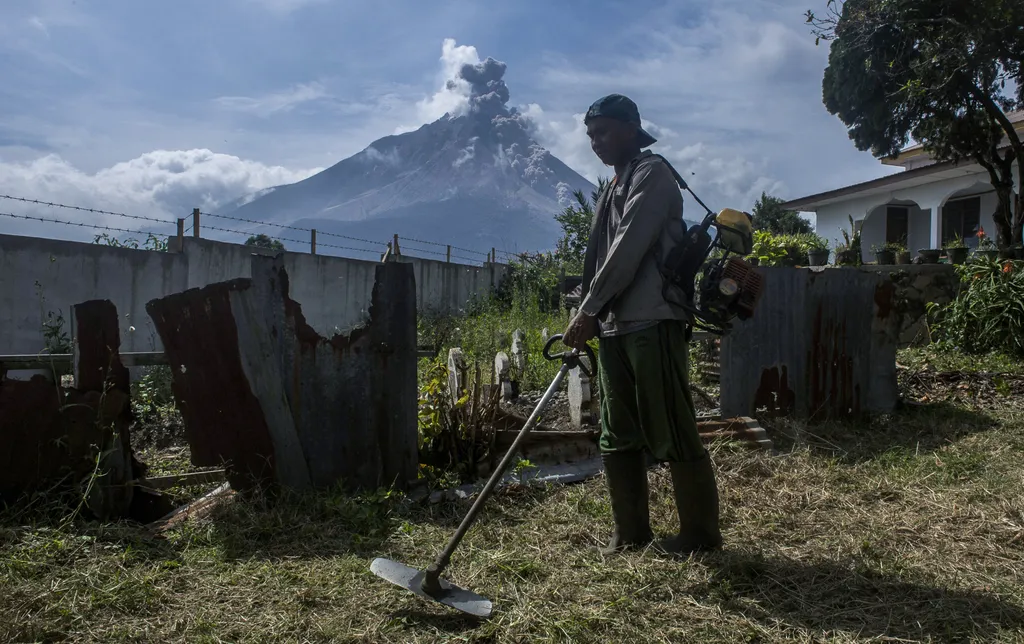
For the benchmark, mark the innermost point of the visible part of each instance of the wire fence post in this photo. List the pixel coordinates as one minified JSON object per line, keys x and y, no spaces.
{"x":181,"y":234}
{"x":448,"y":255}
{"x":312,"y":241}
{"x":195,"y":223}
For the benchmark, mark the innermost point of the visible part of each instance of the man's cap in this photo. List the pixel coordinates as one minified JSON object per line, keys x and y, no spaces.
{"x":620,"y":108}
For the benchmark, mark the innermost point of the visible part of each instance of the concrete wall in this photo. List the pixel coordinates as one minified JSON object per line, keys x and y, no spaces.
{"x":916,"y":286}
{"x":41,"y":275}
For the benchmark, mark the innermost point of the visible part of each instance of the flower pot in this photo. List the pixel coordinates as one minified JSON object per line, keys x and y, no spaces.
{"x":929,"y":255}
{"x":956,"y":255}
{"x":818,"y":257}
{"x":987,"y":255}
{"x":846,"y":257}
{"x":885,"y":257}
{"x":903,"y":257}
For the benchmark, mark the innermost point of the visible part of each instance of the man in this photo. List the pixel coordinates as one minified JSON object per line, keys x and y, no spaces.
{"x":646,"y":405}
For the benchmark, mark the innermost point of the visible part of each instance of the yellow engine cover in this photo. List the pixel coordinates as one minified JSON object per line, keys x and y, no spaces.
{"x":737,"y":230}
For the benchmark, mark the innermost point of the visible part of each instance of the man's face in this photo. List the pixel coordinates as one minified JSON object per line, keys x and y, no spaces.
{"x":610,"y":139}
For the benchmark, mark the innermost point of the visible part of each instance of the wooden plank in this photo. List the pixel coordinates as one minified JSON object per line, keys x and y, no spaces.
{"x":65,"y":360}
{"x":199,"y":508}
{"x":189,"y":478}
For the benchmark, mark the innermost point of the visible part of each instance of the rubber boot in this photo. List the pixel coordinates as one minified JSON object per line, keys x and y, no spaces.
{"x":626,"y":473}
{"x":696,"y":495}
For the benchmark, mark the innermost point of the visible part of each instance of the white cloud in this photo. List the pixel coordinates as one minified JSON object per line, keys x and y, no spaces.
{"x":165,"y":184}
{"x":453,"y":97}
{"x":273,"y":103}
{"x":733,"y":95}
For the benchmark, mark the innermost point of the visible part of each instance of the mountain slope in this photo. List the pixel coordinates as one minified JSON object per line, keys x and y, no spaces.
{"x":474,"y":179}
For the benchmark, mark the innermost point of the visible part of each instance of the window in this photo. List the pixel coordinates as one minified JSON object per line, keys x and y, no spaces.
{"x":961,"y":218}
{"x":897,"y":220}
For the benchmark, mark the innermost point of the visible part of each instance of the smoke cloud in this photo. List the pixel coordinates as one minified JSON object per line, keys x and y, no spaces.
{"x":469,"y":85}
{"x":487,"y":91}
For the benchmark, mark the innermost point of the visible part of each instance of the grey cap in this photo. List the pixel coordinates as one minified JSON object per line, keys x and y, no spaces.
{"x":620,"y":108}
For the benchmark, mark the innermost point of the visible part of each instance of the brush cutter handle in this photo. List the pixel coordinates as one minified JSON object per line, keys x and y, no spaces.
{"x":572,"y":358}
{"x":430,"y":583}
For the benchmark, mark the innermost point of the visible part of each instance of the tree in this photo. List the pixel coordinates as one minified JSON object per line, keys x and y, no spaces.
{"x":769,"y":215}
{"x":576,"y":221}
{"x":935,"y":71}
{"x":263,"y":241}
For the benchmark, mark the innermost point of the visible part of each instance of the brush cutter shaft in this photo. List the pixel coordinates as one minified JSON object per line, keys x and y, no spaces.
{"x":444,"y":558}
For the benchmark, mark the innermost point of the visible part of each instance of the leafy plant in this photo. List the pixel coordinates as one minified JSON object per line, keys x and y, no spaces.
{"x":984,"y":241}
{"x":263,"y":241}
{"x":452,"y":436}
{"x":955,"y":242}
{"x":811,"y":242}
{"x":152,"y":242}
{"x":988,"y":312}
{"x":769,"y":249}
{"x":55,"y":337}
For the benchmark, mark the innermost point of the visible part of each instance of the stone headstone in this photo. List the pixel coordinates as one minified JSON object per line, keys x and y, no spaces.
{"x":582,"y":403}
{"x":456,"y":374}
{"x":519,"y":352}
{"x":502,"y":366}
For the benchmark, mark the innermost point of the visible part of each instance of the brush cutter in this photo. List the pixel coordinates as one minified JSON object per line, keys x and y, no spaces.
{"x":428,"y":583}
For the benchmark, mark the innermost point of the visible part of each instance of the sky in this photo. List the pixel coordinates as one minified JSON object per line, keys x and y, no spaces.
{"x":153,"y":109}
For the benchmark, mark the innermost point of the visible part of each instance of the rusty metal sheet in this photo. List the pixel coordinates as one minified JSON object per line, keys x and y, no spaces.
{"x":261,"y":390}
{"x":353,"y":397}
{"x":224,"y":423}
{"x":48,"y":433}
{"x":820,"y":345}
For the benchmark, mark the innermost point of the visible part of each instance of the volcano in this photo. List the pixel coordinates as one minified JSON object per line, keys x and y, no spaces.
{"x":475,"y":179}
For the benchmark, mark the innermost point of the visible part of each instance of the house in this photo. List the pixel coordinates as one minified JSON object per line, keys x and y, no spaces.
{"x":927,"y":203}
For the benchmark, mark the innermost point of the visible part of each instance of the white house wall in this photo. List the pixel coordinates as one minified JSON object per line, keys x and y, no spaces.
{"x":832,"y":219}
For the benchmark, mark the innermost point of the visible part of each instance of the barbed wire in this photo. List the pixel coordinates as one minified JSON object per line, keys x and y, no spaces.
{"x":76,"y":223}
{"x":263,"y":223}
{"x":434,"y":243}
{"x":402,"y":240}
{"x":81,"y":209}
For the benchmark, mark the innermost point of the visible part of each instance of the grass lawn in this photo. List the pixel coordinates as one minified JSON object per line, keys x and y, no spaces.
{"x":911,"y":529}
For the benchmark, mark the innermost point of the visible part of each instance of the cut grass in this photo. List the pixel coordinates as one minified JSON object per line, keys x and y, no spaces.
{"x":910,"y":529}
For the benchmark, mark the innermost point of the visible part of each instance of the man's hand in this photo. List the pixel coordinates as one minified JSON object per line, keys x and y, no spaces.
{"x":581,"y":330}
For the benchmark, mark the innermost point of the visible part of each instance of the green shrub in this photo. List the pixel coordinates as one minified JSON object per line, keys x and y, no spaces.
{"x":785,"y":250}
{"x":988,"y":312}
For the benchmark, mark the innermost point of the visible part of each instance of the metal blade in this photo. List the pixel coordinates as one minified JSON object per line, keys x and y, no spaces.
{"x":411,"y":578}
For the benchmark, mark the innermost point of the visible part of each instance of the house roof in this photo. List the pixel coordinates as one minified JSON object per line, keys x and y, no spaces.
{"x":915,"y":177}
{"x":906,"y":179}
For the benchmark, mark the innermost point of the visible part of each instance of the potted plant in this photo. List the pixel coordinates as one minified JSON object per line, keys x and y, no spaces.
{"x":885,"y":254}
{"x":956,"y":250}
{"x":848,"y":252}
{"x":930,"y":255}
{"x":902,"y":254}
{"x":986,"y":247}
{"x":816,"y":248}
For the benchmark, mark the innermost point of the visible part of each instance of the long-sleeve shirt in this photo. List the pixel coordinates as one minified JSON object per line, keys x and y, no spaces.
{"x":629,"y":248}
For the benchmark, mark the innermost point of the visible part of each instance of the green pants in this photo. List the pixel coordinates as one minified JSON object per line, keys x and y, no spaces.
{"x":645,"y":394}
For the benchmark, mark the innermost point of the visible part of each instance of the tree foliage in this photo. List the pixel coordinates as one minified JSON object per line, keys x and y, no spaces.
{"x":770,"y":216}
{"x":936,"y":72}
{"x":263,"y":241}
{"x":576,"y":220}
